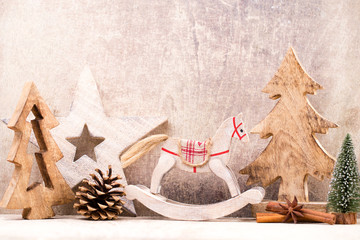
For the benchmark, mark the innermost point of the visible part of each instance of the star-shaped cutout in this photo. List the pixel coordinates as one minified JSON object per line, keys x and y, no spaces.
{"x":85,"y":144}
{"x":119,"y":133}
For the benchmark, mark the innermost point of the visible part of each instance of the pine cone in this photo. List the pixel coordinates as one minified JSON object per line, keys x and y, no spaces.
{"x":100,"y":199}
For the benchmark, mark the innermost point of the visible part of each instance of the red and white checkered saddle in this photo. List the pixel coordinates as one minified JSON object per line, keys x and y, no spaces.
{"x":194,"y":153}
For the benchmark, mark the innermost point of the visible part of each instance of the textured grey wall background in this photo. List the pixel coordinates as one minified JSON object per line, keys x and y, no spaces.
{"x":197,"y":62}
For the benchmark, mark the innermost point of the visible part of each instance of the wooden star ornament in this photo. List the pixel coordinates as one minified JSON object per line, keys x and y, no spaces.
{"x":87,"y":119}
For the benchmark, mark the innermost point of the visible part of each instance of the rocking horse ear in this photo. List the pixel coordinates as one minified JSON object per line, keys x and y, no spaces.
{"x":240,"y":115}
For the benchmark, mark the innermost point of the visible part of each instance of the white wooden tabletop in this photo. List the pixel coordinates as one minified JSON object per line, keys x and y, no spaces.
{"x":75,"y":227}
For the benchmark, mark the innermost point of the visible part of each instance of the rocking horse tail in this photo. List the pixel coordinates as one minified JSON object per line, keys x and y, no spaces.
{"x":140,"y":148}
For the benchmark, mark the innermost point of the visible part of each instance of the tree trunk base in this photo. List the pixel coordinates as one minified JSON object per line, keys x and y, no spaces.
{"x":345,"y":218}
{"x":37,"y":212}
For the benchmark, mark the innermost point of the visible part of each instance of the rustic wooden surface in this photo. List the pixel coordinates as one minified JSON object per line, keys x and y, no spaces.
{"x":35,"y":198}
{"x":294,"y":152}
{"x":196,"y":62}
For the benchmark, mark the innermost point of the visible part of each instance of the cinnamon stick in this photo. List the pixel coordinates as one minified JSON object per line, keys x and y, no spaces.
{"x":273,"y":207}
{"x":276,"y":218}
{"x":327,"y":217}
{"x":316,"y":218}
{"x":310,"y":215}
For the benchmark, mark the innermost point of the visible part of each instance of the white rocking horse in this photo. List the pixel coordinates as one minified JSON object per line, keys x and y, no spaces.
{"x":211,"y":155}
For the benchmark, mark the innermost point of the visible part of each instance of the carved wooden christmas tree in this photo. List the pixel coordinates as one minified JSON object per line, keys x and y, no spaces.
{"x":36,"y":199}
{"x":293,"y":152}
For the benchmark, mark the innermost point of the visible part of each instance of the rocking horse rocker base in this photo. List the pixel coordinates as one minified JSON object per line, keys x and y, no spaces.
{"x":182,"y":211}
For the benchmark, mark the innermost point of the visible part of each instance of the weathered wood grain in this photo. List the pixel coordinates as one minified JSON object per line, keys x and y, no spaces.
{"x":294,"y":151}
{"x":195,"y":62}
{"x":36,"y":199}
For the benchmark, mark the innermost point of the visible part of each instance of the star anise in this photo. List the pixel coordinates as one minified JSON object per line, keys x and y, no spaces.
{"x":291,"y":210}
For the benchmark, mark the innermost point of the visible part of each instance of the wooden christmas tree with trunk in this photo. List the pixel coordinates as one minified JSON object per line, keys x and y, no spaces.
{"x":293,"y":153}
{"x":36,"y":199}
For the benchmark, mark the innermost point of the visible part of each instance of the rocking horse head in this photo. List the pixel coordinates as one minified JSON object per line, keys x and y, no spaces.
{"x":237,"y":128}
